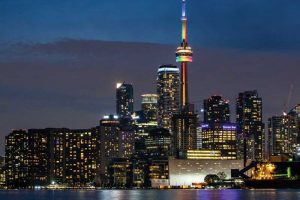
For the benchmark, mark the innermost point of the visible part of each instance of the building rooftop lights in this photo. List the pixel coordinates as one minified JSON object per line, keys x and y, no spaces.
{"x":119,"y":85}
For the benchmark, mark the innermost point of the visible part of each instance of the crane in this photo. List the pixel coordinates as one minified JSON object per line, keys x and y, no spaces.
{"x":287,"y":103}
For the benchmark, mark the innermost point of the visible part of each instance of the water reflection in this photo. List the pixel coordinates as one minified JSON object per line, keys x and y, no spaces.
{"x":151,"y":194}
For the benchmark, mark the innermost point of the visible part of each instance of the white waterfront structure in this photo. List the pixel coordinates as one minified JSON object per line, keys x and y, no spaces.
{"x":186,"y":172}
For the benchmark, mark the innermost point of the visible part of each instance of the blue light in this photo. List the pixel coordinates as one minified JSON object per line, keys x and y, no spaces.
{"x":229,"y":127}
{"x":204,"y":126}
{"x":168,"y":69}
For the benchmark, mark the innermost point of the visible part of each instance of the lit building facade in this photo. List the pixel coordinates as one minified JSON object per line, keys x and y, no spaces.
{"x":158,"y":172}
{"x":38,"y":157}
{"x":168,"y":82}
{"x":203,"y":154}
{"x":217,"y":132}
{"x":216,"y":110}
{"x":295,"y":112}
{"x":124,"y":96}
{"x":159,"y":142}
{"x":146,"y":118}
{"x":187,"y":172}
{"x":16,"y":159}
{"x":185,"y":132}
{"x":149,"y":107}
{"x":140,"y":171}
{"x":81,"y":157}
{"x":53,"y":156}
{"x":117,"y":141}
{"x":220,"y":136}
{"x":2,"y":172}
{"x":250,"y":127}
{"x":120,"y":173}
{"x":282,"y":134}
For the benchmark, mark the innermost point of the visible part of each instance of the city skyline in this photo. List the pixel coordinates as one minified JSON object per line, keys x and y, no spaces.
{"x":182,"y":136}
{"x":52,"y":79}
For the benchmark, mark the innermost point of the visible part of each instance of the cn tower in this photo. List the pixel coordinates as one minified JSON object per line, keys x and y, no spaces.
{"x":184,"y":55}
{"x":185,"y":123}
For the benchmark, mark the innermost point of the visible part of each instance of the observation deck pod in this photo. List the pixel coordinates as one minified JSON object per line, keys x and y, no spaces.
{"x":184,"y":54}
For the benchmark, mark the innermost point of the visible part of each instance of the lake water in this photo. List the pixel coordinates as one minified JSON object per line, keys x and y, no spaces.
{"x":152,"y":194}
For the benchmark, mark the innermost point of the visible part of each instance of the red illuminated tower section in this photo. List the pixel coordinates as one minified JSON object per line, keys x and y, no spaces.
{"x":184,"y":55}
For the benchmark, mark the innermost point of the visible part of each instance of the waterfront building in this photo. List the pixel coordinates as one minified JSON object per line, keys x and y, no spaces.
{"x":124,"y":102}
{"x":120,"y":173}
{"x":203,"y":154}
{"x":2,"y":172}
{"x":52,"y":156}
{"x":250,"y":127}
{"x":295,"y":112}
{"x":188,"y":172}
{"x":158,"y":171}
{"x":282,"y":134}
{"x":117,"y":138}
{"x":220,"y":136}
{"x":38,"y":151}
{"x":16,"y":159}
{"x":159,"y":142}
{"x":168,"y":81}
{"x":140,"y":171}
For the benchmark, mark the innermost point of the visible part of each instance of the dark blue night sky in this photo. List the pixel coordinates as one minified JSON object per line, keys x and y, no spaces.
{"x":60,"y":59}
{"x":250,"y":24}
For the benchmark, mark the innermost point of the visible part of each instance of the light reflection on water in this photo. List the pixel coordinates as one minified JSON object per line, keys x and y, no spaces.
{"x":151,"y":194}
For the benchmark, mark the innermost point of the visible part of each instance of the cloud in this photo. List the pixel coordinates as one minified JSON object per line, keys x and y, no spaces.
{"x":71,"y":83}
{"x":255,"y":24}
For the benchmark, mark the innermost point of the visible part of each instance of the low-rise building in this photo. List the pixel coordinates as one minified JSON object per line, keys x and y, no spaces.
{"x":187,"y":172}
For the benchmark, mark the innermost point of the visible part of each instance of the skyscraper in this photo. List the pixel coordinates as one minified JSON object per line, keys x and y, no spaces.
{"x":2,"y":172}
{"x":217,"y":132}
{"x":40,"y":157}
{"x":16,"y":159}
{"x":117,"y":141}
{"x":295,"y":112}
{"x":149,"y":106}
{"x":250,"y":128}
{"x":185,"y":132}
{"x":158,"y":143}
{"x":220,"y":136}
{"x":168,"y":81}
{"x":282,"y":135}
{"x":185,"y":122}
{"x":216,"y":110}
{"x":124,"y":95}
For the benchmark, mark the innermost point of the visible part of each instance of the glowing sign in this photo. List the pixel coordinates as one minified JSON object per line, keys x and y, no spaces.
{"x":168,"y":69}
{"x":229,"y":127}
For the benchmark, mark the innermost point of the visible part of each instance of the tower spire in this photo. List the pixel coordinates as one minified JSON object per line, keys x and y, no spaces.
{"x":184,"y":20}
